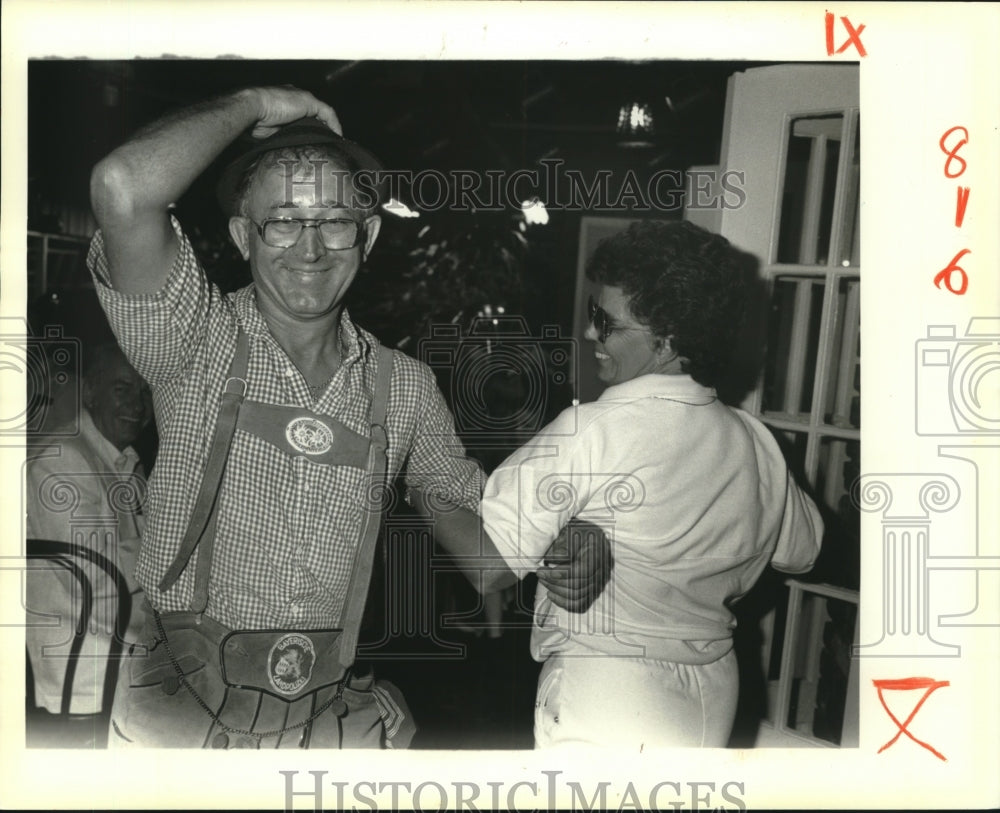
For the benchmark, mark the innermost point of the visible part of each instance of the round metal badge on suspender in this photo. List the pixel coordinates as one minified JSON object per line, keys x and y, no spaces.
{"x":309,"y":436}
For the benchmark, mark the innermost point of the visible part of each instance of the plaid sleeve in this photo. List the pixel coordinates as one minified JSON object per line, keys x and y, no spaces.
{"x":159,"y":332}
{"x":437,"y":463}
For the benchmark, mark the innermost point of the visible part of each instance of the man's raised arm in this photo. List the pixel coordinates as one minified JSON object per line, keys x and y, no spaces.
{"x":132,"y":188}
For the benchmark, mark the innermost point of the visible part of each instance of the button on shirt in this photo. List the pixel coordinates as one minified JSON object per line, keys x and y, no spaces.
{"x":287,"y":527}
{"x":695,"y":496}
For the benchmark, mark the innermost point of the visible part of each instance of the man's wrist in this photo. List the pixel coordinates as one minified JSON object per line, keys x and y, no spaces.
{"x":247,"y":100}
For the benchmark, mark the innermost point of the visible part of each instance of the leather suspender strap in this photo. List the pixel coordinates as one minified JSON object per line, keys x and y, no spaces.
{"x":225,"y":425}
{"x":201,"y":527}
{"x":357,"y":588}
{"x":203,"y":569}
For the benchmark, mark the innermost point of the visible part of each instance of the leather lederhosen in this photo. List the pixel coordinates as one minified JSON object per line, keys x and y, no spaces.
{"x":201,"y":684}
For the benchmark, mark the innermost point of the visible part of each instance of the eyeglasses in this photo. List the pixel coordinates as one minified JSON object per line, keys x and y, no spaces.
{"x":602,"y":322}
{"x":337,"y":234}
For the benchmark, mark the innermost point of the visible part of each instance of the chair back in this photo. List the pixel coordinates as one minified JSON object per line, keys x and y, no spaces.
{"x":72,"y":557}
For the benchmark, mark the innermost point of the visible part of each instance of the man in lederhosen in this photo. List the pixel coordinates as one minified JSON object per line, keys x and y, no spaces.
{"x":280,"y":420}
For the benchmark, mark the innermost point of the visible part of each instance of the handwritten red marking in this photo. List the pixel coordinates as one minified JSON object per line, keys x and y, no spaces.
{"x":929,"y":685}
{"x":951,"y":149}
{"x":952,"y":152}
{"x":945,"y":274}
{"x":963,"y":201}
{"x":853,"y":36}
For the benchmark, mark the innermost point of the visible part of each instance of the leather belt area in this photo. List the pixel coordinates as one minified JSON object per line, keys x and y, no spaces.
{"x":287,"y":664}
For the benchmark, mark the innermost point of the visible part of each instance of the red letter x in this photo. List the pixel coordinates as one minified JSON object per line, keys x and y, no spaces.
{"x":928,"y":685}
{"x":853,"y":36}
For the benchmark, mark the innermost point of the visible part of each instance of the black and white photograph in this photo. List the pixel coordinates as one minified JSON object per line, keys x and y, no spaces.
{"x":498,"y":412}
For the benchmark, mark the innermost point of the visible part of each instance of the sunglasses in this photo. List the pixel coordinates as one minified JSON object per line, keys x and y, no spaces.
{"x":599,"y":319}
{"x":602,"y":322}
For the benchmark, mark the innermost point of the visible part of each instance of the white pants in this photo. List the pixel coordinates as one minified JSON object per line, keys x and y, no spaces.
{"x":635,"y":703}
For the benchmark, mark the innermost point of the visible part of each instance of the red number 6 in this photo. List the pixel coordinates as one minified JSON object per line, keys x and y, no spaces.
{"x":944,"y":275}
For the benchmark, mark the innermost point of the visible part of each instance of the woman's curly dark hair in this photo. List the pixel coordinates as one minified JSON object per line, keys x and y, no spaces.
{"x":682,"y":282}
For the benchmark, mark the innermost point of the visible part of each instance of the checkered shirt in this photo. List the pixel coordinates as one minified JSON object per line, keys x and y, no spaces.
{"x":287,"y":527}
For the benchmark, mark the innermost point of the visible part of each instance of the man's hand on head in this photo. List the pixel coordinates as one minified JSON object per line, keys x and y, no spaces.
{"x":577,"y":566}
{"x":133,"y":187}
{"x":281,"y":105}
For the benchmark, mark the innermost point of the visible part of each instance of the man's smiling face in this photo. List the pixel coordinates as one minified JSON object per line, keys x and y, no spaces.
{"x":306,"y":280}
{"x":117,"y":398}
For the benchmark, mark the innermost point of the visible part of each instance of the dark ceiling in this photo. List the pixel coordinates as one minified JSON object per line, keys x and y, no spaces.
{"x":480,"y":116}
{"x":477,"y":115}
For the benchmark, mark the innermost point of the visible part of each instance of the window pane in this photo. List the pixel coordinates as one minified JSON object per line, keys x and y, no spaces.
{"x":850,"y":238}
{"x":839,"y":466}
{"x":821,"y":667}
{"x":792,"y":345}
{"x":793,"y":446}
{"x":843,"y":377}
{"x":811,"y":158}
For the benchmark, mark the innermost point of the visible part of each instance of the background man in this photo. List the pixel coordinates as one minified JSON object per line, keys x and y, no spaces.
{"x":72,"y":498}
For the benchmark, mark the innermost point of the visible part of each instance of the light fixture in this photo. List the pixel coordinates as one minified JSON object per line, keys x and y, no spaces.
{"x":641,"y":122}
{"x":398,"y":208}
{"x":534,"y":212}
